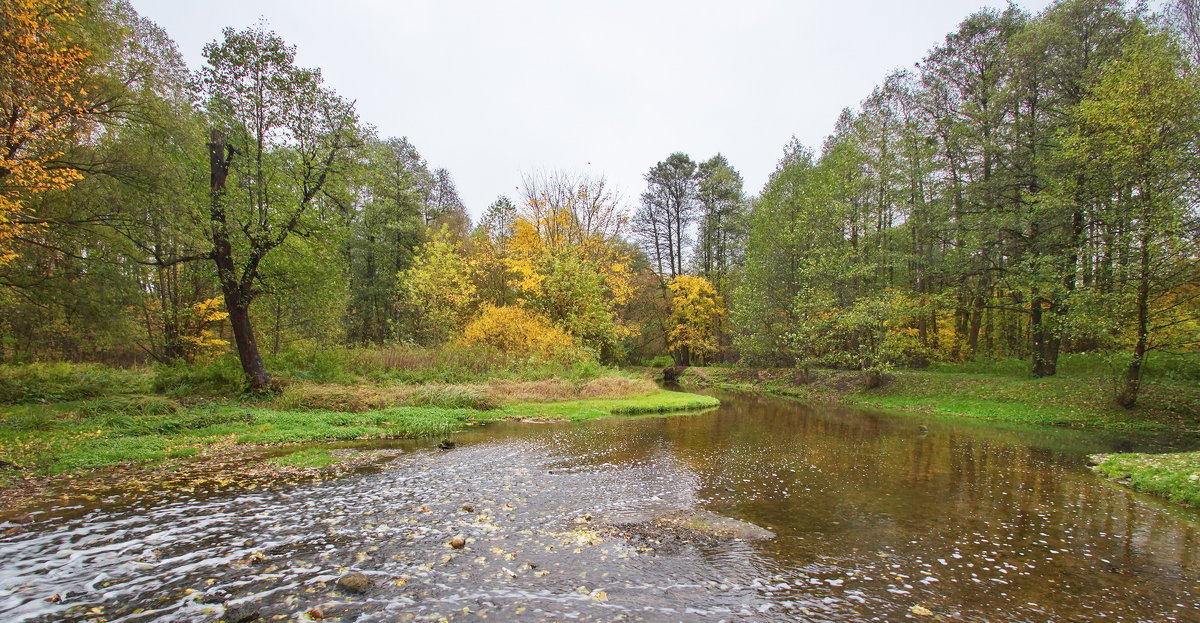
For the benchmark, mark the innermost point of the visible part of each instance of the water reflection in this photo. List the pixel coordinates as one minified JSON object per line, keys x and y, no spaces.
{"x":875,"y":514}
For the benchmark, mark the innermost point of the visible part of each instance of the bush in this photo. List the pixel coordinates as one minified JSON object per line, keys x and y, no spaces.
{"x":220,"y":377}
{"x":453,"y":397}
{"x":461,"y":363}
{"x":517,"y":332}
{"x":55,"y":382}
{"x":1173,"y":367}
{"x":661,"y":361}
{"x":326,"y":365}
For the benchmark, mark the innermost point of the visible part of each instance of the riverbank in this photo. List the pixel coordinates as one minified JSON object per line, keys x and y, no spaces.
{"x":1070,"y":400}
{"x":97,"y":419}
{"x":1074,"y":400}
{"x":1175,"y":475}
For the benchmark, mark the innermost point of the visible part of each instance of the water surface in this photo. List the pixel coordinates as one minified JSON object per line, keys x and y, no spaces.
{"x":875,"y":514}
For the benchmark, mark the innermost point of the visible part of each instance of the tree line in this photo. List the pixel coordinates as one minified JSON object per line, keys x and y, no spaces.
{"x":1028,"y":189}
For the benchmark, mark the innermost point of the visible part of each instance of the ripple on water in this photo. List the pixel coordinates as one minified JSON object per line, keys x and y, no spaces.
{"x":876,"y":521}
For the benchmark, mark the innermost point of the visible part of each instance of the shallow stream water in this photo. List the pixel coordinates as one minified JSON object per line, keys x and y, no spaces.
{"x":879,"y":517}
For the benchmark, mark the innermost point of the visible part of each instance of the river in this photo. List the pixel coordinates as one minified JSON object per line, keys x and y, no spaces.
{"x":878,"y":517}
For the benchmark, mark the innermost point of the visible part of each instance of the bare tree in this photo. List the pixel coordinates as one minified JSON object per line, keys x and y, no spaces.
{"x":572,"y":207}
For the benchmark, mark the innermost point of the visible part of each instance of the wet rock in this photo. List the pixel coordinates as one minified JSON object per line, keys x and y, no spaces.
{"x":316,"y":614}
{"x":446,"y":444}
{"x":214,"y":596}
{"x":257,"y":558}
{"x":713,"y":525}
{"x":354,"y":582}
{"x":458,"y":542}
{"x":242,"y":613}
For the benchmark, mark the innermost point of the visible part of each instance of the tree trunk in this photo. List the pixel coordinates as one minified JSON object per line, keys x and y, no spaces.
{"x":1133,"y":375}
{"x":243,"y":337}
{"x":237,"y":300}
{"x":1039,"y":338}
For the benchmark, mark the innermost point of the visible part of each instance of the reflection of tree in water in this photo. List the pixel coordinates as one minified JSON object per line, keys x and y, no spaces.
{"x":1012,"y":513}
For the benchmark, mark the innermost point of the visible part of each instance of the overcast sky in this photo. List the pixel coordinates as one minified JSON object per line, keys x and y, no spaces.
{"x":491,"y":89}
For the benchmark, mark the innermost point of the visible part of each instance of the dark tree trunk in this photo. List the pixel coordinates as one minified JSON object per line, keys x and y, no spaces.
{"x":1133,"y":374}
{"x":237,"y":297}
{"x":1040,"y":338}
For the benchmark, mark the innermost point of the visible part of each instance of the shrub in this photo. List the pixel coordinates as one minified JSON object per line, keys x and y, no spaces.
{"x":661,"y":361}
{"x":518,"y":332}
{"x":220,"y":377}
{"x":54,"y":382}
{"x":315,"y":365}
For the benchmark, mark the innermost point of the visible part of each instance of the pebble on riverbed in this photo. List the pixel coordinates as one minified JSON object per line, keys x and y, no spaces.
{"x":354,"y":582}
{"x":240,"y":614}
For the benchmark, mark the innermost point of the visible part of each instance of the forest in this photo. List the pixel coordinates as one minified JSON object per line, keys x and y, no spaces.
{"x":1025,"y":191}
{"x":260,"y":361}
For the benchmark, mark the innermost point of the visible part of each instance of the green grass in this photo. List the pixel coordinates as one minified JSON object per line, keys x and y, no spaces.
{"x":1174,"y":476}
{"x":402,"y":364}
{"x":453,"y":397}
{"x":62,"y":438}
{"x":308,"y":457}
{"x":1078,"y":398}
{"x":116,"y":430}
{"x":661,"y":401}
{"x":53,"y":382}
{"x":1059,"y":401}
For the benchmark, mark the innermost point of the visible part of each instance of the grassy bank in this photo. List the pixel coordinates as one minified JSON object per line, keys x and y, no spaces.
{"x":1080,"y":396}
{"x":1175,"y":476}
{"x":60,"y":418}
{"x":1076,"y":398}
{"x":657,"y":402}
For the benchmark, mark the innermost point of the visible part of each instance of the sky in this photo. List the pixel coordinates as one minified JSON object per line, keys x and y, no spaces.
{"x":494,"y":89}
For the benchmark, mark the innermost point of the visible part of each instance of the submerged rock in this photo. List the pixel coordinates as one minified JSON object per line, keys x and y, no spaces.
{"x":214,"y":596}
{"x":243,"y":613}
{"x":712,"y":525}
{"x":354,"y":582}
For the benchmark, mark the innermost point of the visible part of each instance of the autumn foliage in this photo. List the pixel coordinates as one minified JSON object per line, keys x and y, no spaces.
{"x":696,"y":308}
{"x":551,"y":283}
{"x":44,"y":96}
{"x":518,"y":332}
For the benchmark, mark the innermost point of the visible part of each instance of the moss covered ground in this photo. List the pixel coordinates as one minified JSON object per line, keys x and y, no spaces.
{"x":1175,"y":476}
{"x":1077,"y":400}
{"x":59,"y":427}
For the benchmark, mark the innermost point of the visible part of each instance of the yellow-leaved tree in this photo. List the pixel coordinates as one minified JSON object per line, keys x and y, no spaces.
{"x":576,"y":284}
{"x":696,"y":308}
{"x":439,"y":288}
{"x":43,"y":96}
{"x":201,"y":335}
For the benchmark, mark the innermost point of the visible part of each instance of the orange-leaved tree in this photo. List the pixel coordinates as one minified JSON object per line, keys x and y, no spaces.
{"x":44,"y":99}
